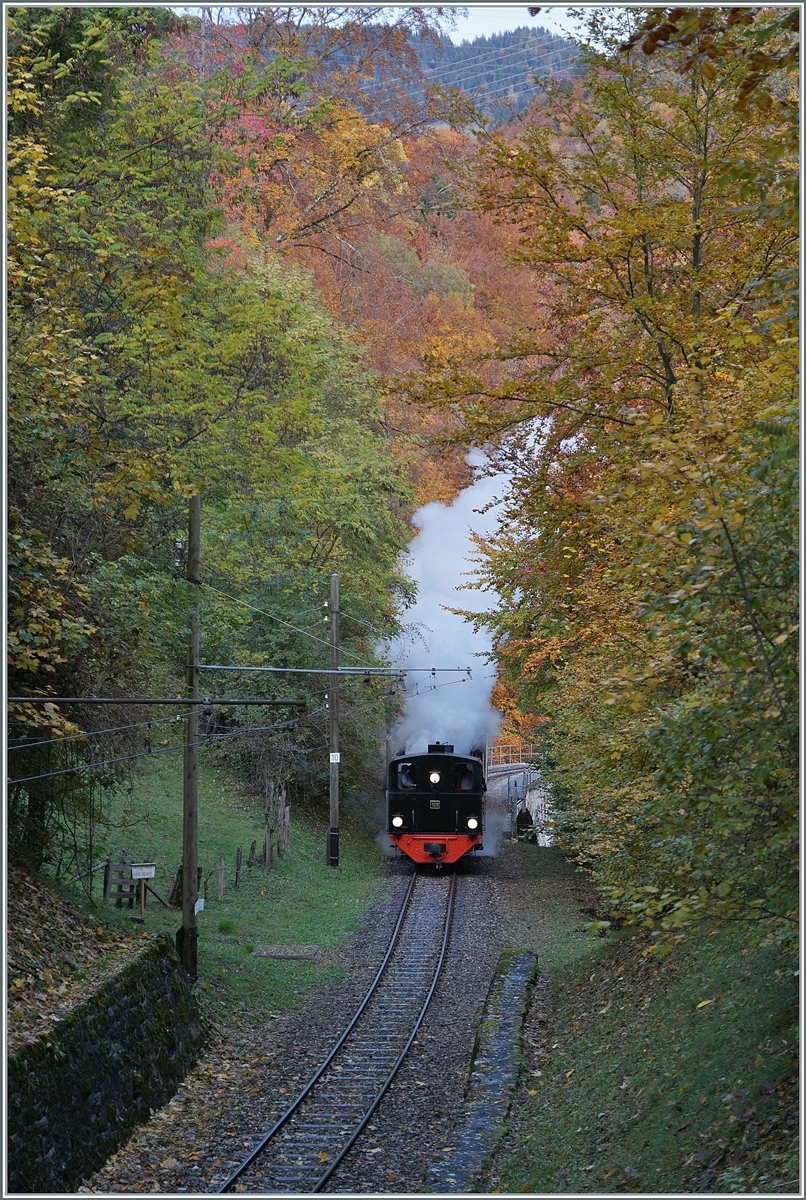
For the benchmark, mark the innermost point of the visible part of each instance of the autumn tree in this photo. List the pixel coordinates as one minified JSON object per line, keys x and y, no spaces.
{"x":143,"y":367}
{"x":646,"y":561}
{"x":308,"y":106}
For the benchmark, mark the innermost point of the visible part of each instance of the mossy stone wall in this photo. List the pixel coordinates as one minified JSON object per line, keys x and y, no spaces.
{"x":75,"y":1096}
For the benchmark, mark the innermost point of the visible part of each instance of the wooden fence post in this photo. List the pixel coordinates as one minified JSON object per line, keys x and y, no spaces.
{"x":238,"y":860}
{"x":284,"y":830}
{"x":221,"y":877}
{"x":175,"y":894}
{"x":250,"y":862}
{"x":267,"y":848}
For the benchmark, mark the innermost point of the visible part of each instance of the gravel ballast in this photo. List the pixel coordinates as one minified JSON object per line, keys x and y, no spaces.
{"x":249,"y":1077}
{"x":414,"y":1121}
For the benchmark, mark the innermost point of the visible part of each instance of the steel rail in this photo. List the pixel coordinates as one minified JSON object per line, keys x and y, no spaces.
{"x":292,"y":1108}
{"x":387,"y":1083}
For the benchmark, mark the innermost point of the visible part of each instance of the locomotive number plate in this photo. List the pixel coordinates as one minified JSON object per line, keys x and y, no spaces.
{"x":435,"y":803}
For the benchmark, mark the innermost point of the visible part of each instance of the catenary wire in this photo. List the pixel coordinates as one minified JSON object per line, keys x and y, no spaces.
{"x":524,"y":91}
{"x":279,"y":620}
{"x":528,"y":46}
{"x":91,"y":733}
{"x":556,"y":70}
{"x":435,"y":688}
{"x":343,"y":613}
{"x":417,"y":91}
{"x":303,"y":612}
{"x":163,"y":750}
{"x":494,"y":57}
{"x":525,"y":50}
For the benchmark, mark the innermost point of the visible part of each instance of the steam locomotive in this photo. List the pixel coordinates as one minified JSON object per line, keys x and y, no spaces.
{"x":435,"y":804}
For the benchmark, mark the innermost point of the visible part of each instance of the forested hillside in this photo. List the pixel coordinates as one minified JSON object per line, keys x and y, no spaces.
{"x":298,"y":262}
{"x":159,"y":346}
{"x":647,"y":562}
{"x":265,"y":261}
{"x":502,"y":73}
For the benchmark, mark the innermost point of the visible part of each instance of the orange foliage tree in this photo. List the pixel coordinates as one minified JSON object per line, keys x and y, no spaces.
{"x":646,"y":560}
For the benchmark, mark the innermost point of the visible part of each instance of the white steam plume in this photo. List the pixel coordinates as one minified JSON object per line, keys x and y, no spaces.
{"x":439,"y":708}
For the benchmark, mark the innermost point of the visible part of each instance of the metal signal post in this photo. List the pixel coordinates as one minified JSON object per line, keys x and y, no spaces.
{"x":333,"y":707}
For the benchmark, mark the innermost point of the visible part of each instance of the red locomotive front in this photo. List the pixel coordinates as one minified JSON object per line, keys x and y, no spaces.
{"x":435,"y":804}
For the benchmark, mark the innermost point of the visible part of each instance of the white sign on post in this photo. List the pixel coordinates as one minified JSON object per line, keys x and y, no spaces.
{"x":199,"y":906}
{"x":335,"y":757}
{"x":144,"y":870}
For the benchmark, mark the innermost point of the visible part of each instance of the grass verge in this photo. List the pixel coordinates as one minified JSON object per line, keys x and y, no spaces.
{"x":647,"y":1075}
{"x":300,"y":901}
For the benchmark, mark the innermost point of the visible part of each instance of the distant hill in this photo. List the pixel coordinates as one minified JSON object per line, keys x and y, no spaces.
{"x":498,"y":72}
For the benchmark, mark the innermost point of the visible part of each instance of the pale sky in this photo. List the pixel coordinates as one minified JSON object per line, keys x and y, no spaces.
{"x":484,"y":19}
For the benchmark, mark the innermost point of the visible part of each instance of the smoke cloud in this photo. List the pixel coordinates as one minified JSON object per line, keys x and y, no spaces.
{"x":440,"y":708}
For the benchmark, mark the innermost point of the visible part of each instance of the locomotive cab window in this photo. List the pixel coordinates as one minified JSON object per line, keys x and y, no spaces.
{"x":405,"y":776}
{"x":464,"y":779}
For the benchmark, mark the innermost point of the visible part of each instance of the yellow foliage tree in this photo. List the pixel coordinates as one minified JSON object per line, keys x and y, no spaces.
{"x":646,"y":559}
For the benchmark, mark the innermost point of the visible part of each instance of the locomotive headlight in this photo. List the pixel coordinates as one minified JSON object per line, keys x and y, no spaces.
{"x":472,"y":822}
{"x":434,"y":776}
{"x":397,"y":822}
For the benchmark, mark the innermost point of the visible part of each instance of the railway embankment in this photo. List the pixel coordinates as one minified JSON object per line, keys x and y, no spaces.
{"x":629,"y":1066}
{"x":89,"y":1016}
{"x":252,"y":1073}
{"x":643,"y":1073}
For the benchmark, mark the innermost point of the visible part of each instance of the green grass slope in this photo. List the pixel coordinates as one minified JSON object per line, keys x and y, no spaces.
{"x":644,"y":1074}
{"x":300,"y":901}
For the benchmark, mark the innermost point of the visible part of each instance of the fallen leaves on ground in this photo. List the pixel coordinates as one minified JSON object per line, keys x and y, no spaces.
{"x":58,"y":955}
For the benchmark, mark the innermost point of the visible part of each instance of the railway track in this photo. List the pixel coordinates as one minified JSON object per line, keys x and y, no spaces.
{"x":304,"y":1148}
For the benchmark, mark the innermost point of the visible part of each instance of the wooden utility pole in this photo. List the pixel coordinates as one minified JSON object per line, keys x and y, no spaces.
{"x":187,"y":941}
{"x":333,"y":705}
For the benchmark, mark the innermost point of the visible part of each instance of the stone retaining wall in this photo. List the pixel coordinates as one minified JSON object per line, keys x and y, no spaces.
{"x":75,"y":1096}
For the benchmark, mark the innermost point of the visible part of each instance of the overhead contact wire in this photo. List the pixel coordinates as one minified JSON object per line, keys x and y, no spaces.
{"x":24,"y":745}
{"x":279,"y":620}
{"x":162,"y":750}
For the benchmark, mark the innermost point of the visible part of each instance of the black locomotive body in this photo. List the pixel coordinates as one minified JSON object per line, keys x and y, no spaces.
{"x":435,"y":804}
